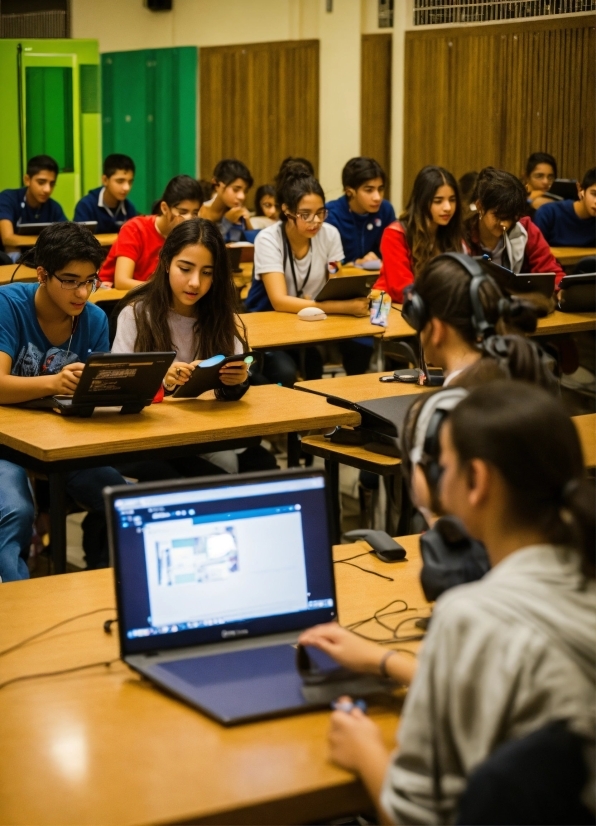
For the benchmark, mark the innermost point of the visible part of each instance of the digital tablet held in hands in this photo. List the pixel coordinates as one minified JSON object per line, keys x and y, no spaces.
{"x":346,"y":288}
{"x":205,"y":376}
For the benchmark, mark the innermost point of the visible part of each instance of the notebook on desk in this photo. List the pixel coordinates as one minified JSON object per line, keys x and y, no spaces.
{"x":215,"y":580}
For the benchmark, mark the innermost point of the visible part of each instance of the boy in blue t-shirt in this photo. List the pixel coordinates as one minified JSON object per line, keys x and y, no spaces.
{"x":47,"y":330}
{"x":31,"y":204}
{"x":109,"y":204}
{"x":571,"y":223}
{"x":362,"y":214}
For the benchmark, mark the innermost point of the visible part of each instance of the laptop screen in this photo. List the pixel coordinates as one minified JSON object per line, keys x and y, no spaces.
{"x":221,"y":559}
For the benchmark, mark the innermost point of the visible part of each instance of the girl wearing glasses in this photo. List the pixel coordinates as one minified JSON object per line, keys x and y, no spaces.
{"x":293,"y":260}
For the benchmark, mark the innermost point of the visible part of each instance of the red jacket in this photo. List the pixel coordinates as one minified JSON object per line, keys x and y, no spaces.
{"x":397,"y":269}
{"x":537,"y":254}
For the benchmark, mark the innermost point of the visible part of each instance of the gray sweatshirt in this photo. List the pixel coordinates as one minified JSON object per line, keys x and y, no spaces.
{"x":503,"y":657}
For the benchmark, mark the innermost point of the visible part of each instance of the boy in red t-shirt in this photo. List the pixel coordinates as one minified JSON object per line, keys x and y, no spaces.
{"x":133,"y":257}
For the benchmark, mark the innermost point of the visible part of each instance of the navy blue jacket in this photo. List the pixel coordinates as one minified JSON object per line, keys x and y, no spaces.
{"x":92,"y":208}
{"x":360,"y":234}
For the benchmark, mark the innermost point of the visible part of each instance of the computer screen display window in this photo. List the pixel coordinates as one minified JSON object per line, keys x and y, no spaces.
{"x":207,"y":564}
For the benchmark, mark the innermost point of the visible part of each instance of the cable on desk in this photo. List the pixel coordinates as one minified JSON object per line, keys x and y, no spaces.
{"x":347,"y":561}
{"x":107,"y":663}
{"x":378,"y":617}
{"x":51,"y":628}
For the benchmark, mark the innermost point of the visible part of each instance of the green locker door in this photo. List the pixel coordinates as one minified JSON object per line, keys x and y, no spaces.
{"x":52,"y":119}
{"x":149,"y":112}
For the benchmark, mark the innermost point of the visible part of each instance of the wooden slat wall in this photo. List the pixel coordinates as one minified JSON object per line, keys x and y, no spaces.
{"x":259,"y":103}
{"x":375,"y":100}
{"x":491,"y":95}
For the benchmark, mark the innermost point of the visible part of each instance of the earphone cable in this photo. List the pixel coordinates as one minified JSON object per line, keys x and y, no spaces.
{"x":51,"y":628}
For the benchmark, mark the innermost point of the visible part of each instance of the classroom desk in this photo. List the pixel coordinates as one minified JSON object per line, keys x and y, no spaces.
{"x":48,"y":443}
{"x":104,"y":746}
{"x":107,"y":294}
{"x":586,"y":429}
{"x":27,"y":274}
{"x":105,"y":239}
{"x":557,"y":323}
{"x":359,"y":388}
{"x":568,"y":256}
{"x":272,"y":329}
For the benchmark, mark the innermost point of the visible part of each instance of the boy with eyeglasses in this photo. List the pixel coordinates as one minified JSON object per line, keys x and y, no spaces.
{"x":47,"y":331}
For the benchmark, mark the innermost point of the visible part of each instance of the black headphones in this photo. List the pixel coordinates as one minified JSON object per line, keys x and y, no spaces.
{"x":414,"y":309}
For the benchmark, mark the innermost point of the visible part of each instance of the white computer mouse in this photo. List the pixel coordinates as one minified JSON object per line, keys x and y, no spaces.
{"x":311,"y":314}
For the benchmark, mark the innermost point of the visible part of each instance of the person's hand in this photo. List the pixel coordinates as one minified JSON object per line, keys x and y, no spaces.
{"x":344,"y":647}
{"x":236,"y":213}
{"x":352,"y":737}
{"x":357,"y":307}
{"x":65,"y":382}
{"x":178,"y":373}
{"x":234,"y":372}
{"x":370,"y":256}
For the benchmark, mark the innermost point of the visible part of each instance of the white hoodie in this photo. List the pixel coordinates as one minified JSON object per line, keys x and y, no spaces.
{"x":503,"y":657}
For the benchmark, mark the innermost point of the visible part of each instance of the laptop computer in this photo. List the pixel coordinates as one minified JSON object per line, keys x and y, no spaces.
{"x":35,"y":229}
{"x":125,"y":380}
{"x":347,"y":287}
{"x":215,"y":579}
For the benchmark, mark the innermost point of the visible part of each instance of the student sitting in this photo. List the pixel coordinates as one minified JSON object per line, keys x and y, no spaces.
{"x":266,"y":209}
{"x":194,"y":281}
{"x":362,"y":214}
{"x":47,"y":330}
{"x":231,"y":182}
{"x":293,"y":259}
{"x":134,"y":256}
{"x":534,"y":611}
{"x":32,"y":203}
{"x":498,"y":230}
{"x":109,"y":204}
{"x":541,"y":173}
{"x":430,"y":225}
{"x":571,"y":223}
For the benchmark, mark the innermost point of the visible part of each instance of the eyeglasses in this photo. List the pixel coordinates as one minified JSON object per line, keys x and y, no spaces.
{"x":70,"y":282}
{"x":311,"y":217}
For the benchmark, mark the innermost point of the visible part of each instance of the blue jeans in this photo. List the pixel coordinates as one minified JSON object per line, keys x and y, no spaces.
{"x":17,"y":514}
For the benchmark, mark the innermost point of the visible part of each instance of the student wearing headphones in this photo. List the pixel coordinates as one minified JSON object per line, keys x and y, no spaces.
{"x":533,"y":509}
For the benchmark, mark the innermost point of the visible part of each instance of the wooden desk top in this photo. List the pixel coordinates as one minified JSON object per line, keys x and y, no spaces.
{"x":352,"y":455}
{"x":558,"y":322}
{"x":269,"y":409}
{"x":27,"y":274}
{"x":107,"y":294}
{"x":105,"y":239}
{"x":273,"y":329}
{"x":571,"y":255}
{"x":104,"y":746}
{"x":586,"y":428}
{"x":359,"y":388}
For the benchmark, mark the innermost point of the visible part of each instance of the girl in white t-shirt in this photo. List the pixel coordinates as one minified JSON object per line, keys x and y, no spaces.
{"x":293,"y":259}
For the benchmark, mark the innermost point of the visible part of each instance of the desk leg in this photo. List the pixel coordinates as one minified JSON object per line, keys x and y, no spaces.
{"x":332,"y":471}
{"x":58,"y":520}
{"x":405,"y":516}
{"x":293,"y":450}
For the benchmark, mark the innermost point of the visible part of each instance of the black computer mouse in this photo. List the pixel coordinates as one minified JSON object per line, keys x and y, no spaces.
{"x":385,"y":548}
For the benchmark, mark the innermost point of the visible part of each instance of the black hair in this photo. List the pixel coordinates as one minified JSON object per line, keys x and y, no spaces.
{"x":228,"y":170}
{"x":264,"y":189}
{"x":181,"y":188}
{"x":467,"y":182}
{"x":216,"y":325}
{"x":500,"y":191}
{"x":291,"y":160}
{"x":589,"y":178}
{"x":358,"y":171}
{"x":538,"y":158}
{"x":547,"y":487}
{"x":293,"y":183}
{"x":206,"y":189}
{"x":40,"y":163}
{"x":115,"y":162}
{"x":63,"y":242}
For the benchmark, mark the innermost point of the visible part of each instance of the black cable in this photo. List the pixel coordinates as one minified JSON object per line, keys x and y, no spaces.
{"x":379,"y":615}
{"x":56,"y":673}
{"x":347,"y":561}
{"x":51,"y":628}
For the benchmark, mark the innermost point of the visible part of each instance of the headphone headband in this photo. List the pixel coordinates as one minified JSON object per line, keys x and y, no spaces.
{"x":442,"y":402}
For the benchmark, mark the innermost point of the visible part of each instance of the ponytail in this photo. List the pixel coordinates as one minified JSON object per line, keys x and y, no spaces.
{"x":293,"y":182}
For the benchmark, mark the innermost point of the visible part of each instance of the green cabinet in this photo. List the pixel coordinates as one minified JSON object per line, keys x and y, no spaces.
{"x":149,"y":111}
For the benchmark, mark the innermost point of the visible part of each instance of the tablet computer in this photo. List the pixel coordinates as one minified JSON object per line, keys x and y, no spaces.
{"x":347,"y":287}
{"x":519,"y":283}
{"x":205,"y":376}
{"x":578,"y":293}
{"x":125,"y":380}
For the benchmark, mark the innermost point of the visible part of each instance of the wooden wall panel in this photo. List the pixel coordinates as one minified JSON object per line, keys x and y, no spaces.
{"x":491,"y":95}
{"x":375,"y":100}
{"x":259,"y":103}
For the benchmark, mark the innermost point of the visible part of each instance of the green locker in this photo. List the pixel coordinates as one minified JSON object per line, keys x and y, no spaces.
{"x":149,"y":112}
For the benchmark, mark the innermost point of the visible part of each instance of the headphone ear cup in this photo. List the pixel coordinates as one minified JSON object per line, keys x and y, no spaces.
{"x":414,"y":310}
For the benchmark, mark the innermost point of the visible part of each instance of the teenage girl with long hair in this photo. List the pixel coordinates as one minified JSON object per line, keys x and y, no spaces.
{"x":430,"y":224}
